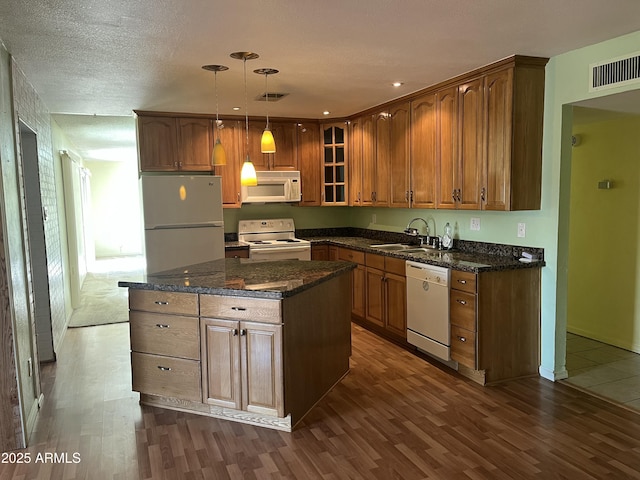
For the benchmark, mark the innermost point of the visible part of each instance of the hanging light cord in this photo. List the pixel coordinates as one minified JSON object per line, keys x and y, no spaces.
{"x":215,"y":83}
{"x":246,"y":104}
{"x":266,"y":97}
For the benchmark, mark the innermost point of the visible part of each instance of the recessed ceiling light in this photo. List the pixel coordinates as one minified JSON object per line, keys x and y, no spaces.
{"x":326,"y":112}
{"x":397,"y":84}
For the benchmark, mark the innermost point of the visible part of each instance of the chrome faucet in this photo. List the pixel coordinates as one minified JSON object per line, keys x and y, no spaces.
{"x":414,"y":231}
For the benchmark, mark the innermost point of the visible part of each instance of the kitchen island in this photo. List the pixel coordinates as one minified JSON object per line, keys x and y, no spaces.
{"x":253,"y":342}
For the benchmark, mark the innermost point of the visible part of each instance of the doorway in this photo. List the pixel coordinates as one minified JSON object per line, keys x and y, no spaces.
{"x":603,"y":321}
{"x":35,"y":246}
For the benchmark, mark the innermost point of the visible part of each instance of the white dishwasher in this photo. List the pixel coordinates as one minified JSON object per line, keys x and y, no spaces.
{"x":428,"y":308}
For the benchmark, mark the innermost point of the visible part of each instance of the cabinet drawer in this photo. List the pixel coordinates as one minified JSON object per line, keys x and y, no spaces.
{"x":240,"y":308}
{"x":166,"y":376}
{"x":374,"y":261}
{"x":462,"y":309}
{"x":163,"y":302}
{"x":171,"y":335}
{"x":465,"y":281}
{"x":463,"y":346}
{"x":349,"y":255}
{"x":395,"y":265}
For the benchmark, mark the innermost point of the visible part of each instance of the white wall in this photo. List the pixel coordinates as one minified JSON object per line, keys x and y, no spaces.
{"x":116,"y":209}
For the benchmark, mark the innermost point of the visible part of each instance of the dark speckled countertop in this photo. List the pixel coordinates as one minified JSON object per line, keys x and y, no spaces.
{"x":491,"y":258}
{"x":242,"y":277}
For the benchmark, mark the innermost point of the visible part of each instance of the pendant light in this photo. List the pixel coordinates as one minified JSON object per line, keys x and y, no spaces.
{"x":248,"y":176}
{"x":267,"y":143}
{"x":219,"y":156}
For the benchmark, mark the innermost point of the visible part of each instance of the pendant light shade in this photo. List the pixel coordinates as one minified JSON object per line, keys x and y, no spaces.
{"x":248,"y":176}
{"x":219,"y":156}
{"x":267,"y":143}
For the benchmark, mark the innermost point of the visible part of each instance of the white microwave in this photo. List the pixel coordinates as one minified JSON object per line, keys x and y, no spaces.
{"x":273,"y":187}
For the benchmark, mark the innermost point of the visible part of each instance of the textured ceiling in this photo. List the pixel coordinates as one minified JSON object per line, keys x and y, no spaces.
{"x":105,"y":58}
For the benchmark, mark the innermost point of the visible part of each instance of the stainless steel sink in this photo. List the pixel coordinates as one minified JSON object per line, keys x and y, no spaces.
{"x":419,"y":250}
{"x":391,"y":247}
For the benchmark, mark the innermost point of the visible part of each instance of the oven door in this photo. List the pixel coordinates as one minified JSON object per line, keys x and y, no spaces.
{"x":302,"y":252}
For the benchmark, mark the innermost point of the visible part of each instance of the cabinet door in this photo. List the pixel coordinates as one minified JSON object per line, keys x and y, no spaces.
{"x":358,"y":291}
{"x":319,"y":252}
{"x":396,"y":303}
{"x":382,"y":155}
{"x":310,"y":162}
{"x":355,"y":159}
{"x":447,"y":118}
{"x":195,"y":144}
{"x":157,"y":144}
{"x":367,"y":185}
{"x":221,"y":377}
{"x":334,"y":174}
{"x":399,"y":161}
{"x":262,"y":375}
{"x":231,"y":139}
{"x":423,"y":151}
{"x":375,"y":296}
{"x":285,"y":157}
{"x":497,"y":173}
{"x":470,"y":157}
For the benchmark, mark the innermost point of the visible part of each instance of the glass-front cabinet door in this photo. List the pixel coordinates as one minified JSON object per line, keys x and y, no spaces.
{"x":334,"y":164}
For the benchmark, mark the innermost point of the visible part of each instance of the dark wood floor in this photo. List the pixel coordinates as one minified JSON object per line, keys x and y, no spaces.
{"x":395,"y":416}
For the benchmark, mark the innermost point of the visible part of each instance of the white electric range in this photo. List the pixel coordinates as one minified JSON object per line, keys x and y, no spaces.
{"x":273,"y":239}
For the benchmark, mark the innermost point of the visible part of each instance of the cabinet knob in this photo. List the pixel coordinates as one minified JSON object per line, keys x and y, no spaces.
{"x":161,"y":325}
{"x":483,"y":192}
{"x":234,"y":332}
{"x":463,"y":282}
{"x":243,"y":332}
{"x":453,"y":195}
{"x":462,"y":339}
{"x":461,"y":302}
{"x":164,"y":369}
{"x":238,"y":309}
{"x":158,"y":302}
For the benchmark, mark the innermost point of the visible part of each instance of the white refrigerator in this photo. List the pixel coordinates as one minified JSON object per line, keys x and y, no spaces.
{"x":183,"y":222}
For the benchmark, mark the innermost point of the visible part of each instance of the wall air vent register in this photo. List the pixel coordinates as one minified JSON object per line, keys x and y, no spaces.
{"x":615,"y":72}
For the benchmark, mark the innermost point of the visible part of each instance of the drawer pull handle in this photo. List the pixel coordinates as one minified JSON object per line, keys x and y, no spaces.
{"x":243,"y":332}
{"x":158,"y":302}
{"x":462,"y":339}
{"x":164,"y":369}
{"x":238,"y":309}
{"x":461,"y":302}
{"x":463,"y":282}
{"x":160,"y":325}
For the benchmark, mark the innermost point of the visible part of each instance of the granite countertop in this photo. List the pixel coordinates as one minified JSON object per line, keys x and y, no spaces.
{"x":242,"y":277}
{"x":501,"y":258}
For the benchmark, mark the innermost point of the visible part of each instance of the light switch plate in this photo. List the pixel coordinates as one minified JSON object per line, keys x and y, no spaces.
{"x":475,"y":224}
{"x":522,"y":230}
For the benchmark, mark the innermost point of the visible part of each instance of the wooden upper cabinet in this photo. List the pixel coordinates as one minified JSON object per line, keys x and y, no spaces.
{"x":355,"y":160}
{"x":284,"y":134}
{"x":285,"y":157}
{"x":310,"y":163}
{"x":514,"y":101}
{"x":382,"y":127}
{"x":368,"y":164}
{"x":171,"y":144}
{"x":334,"y":164}
{"x":399,"y":155}
{"x":231,"y":137}
{"x":423,"y":151}
{"x":471,"y":144}
{"x":157,"y":144}
{"x":447,"y":146}
{"x":195,"y":144}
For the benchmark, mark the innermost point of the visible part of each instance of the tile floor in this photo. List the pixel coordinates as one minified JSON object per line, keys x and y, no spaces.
{"x":603,"y":369}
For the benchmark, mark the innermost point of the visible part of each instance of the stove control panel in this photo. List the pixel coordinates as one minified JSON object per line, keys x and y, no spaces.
{"x":266,"y":226}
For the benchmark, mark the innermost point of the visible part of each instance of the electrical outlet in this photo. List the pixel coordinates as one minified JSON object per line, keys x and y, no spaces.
{"x":475,"y":224}
{"x":373,"y":218}
{"x":522,"y":230}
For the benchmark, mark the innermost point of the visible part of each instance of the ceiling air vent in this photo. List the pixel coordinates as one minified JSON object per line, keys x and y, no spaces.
{"x":273,"y":97}
{"x":615,"y":72}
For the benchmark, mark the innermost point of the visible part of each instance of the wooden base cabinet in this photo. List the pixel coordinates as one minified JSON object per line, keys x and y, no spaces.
{"x":242,"y":366}
{"x":495,"y":324}
{"x":165,"y":344}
